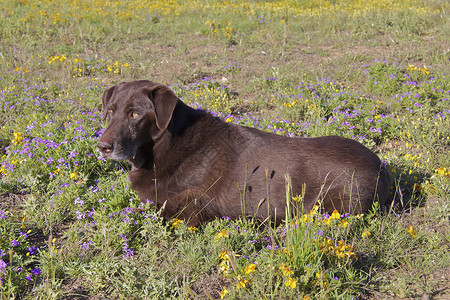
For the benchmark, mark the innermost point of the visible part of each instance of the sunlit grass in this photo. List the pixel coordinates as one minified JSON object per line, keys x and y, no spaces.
{"x":67,"y":215}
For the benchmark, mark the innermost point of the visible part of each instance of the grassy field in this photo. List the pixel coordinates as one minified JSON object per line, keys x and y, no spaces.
{"x":376,"y":71}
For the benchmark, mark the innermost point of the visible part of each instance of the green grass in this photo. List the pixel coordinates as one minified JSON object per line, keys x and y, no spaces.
{"x":377,"y":73}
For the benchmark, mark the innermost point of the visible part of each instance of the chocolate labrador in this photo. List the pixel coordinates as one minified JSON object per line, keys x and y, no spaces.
{"x":196,"y":167}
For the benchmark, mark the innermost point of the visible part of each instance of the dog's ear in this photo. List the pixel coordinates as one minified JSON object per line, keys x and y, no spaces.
{"x":107,"y":95}
{"x":164,"y":101}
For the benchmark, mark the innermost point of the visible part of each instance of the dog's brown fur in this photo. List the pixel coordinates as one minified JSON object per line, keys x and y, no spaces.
{"x":197,"y":167}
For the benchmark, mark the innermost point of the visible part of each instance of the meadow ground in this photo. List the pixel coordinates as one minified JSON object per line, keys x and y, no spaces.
{"x":375,"y":71}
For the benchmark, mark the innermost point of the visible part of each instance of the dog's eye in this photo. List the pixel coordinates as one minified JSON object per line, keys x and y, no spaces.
{"x":134,"y":115}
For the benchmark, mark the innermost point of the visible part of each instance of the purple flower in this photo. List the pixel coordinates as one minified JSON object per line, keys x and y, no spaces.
{"x":80,"y":215}
{"x":29,"y":277}
{"x":2,"y":214}
{"x":376,"y":130}
{"x":15,"y":243}
{"x":128,"y":252}
{"x":78,"y":201}
{"x":72,"y":154}
{"x":3,"y":265}
{"x":86,"y":245}
{"x":36,"y":271}
{"x":32,"y":250}
{"x":272,"y":247}
{"x":91,"y":213}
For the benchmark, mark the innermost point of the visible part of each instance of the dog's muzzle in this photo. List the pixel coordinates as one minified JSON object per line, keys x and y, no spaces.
{"x":105,"y":147}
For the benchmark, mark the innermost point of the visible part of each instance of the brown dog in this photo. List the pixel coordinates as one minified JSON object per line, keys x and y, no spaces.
{"x":196,"y":167}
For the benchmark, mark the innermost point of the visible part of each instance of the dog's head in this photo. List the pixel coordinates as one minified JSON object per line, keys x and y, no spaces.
{"x":138,"y":112}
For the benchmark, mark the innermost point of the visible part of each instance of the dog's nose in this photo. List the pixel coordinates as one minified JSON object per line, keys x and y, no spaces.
{"x":104,"y":147}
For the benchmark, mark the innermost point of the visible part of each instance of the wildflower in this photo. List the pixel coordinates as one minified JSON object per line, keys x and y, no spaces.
{"x":410,"y":230}
{"x":32,"y":250}
{"x":224,"y":266}
{"x":2,"y":214}
{"x":18,"y":138}
{"x":249,"y":269}
{"x":80,"y":215}
{"x":359,"y":216}
{"x":193,"y":229}
{"x":314,"y":210}
{"x":242,"y":283}
{"x":176,"y":223}
{"x":443,"y":172}
{"x":344,"y":223}
{"x":335,"y":215}
{"x":304,"y":219}
{"x":327,"y":221}
{"x":222,"y":234}
{"x":223,"y":255}
{"x":74,"y":175}
{"x":78,"y":201}
{"x":3,"y":265}
{"x":36,"y":271}
{"x":72,"y":154}
{"x":285,"y":269}
{"x":366,"y":233}
{"x":223,"y":293}
{"x":86,"y":245}
{"x":292,"y":283}
{"x":15,"y":243}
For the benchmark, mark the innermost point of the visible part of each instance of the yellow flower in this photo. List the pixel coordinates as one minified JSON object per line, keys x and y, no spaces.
{"x":286,"y":270}
{"x":249,"y":269}
{"x":224,"y":266}
{"x":193,"y":229}
{"x":242,"y":283}
{"x":410,"y":230}
{"x":304,"y":219}
{"x":366,"y":233}
{"x":441,"y":171}
{"x":222,"y":234}
{"x":74,"y":176}
{"x":314,"y":210}
{"x":18,"y":138}
{"x":291,"y":282}
{"x":223,"y":255}
{"x":335,"y":215}
{"x":344,"y":223}
{"x":223,"y":293}
{"x":176,"y":223}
